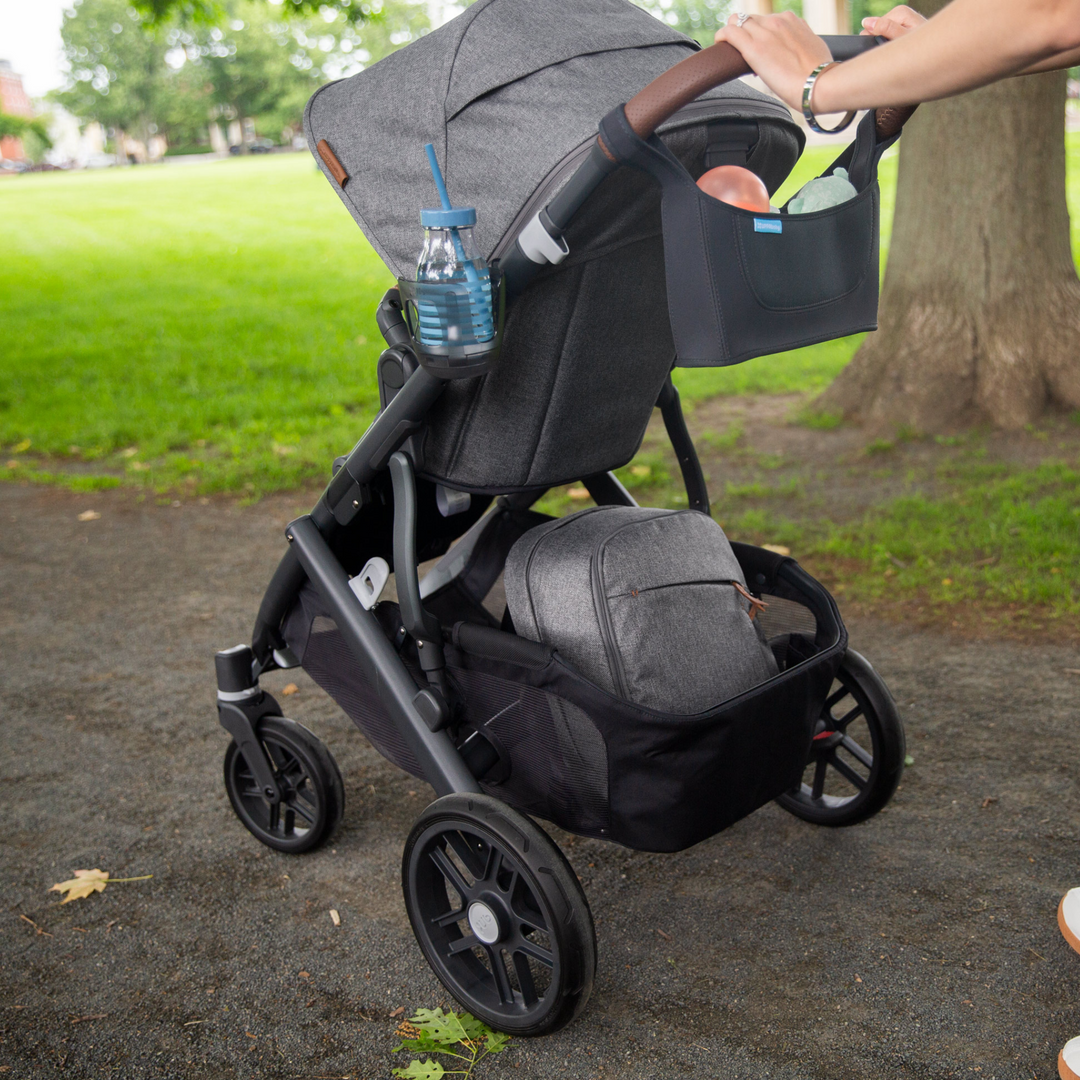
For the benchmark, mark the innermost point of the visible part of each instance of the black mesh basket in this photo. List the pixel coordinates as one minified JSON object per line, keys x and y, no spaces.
{"x":742,"y":284}
{"x":595,"y":764}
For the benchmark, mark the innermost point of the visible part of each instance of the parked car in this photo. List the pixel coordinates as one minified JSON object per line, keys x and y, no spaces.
{"x":261,"y":146}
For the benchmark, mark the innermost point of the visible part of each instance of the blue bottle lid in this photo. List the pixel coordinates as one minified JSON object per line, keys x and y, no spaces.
{"x":460,"y":217}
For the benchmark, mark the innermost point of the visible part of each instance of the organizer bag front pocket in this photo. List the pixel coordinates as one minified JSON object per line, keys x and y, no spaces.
{"x":792,"y":262}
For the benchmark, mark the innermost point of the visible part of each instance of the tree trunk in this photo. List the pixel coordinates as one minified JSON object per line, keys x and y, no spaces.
{"x":980,"y":309}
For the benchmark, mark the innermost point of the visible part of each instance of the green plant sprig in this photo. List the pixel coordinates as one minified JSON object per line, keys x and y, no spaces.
{"x":450,"y":1034}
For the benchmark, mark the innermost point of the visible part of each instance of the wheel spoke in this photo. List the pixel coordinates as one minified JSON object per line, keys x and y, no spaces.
{"x":305,"y":809}
{"x":838,"y":696}
{"x":525,"y":979}
{"x":274,"y":817}
{"x":846,"y":771}
{"x":290,"y":821}
{"x":450,"y":872}
{"x":842,"y":723}
{"x":819,"y":778}
{"x":493,"y":864}
{"x":857,"y":752}
{"x":537,"y":952}
{"x":473,"y":859}
{"x":449,"y":918}
{"x":502,"y":979}
{"x":461,"y":944}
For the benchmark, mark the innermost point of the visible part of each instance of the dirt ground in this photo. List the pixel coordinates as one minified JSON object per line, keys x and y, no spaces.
{"x":920,"y":944}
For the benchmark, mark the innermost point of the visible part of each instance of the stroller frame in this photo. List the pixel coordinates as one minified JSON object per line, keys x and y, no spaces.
{"x":492,"y":900}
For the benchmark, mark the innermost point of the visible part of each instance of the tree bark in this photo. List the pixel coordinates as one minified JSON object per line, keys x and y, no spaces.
{"x":980,"y":309}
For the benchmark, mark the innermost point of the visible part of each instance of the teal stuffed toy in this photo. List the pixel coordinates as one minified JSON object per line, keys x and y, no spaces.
{"x":822,"y":193}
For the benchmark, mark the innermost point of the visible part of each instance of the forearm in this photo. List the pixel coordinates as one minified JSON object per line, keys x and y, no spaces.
{"x":1068,"y":59}
{"x":967,"y":44}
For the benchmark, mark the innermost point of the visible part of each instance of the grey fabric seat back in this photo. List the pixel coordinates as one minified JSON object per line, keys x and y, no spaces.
{"x":643,"y":603}
{"x":511,"y":93}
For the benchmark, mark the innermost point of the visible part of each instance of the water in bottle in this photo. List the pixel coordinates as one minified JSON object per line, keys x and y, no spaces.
{"x":453,"y":295}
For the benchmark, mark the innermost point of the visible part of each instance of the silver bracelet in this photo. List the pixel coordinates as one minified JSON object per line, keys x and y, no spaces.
{"x":808,"y":112}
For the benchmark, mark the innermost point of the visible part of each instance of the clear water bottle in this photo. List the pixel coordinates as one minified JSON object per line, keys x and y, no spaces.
{"x":453,"y":291}
{"x":461,"y":315}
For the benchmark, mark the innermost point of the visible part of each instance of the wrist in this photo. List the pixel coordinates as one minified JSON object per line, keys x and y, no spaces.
{"x":811,"y":103}
{"x":823,"y":97}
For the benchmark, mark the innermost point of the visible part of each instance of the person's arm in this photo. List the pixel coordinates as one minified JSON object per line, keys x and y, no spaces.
{"x":969,"y":43}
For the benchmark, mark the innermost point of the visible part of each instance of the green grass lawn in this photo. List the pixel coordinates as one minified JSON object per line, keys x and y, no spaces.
{"x":210,"y":327}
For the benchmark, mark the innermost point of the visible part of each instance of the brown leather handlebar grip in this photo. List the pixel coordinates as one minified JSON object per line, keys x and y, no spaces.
{"x":678,"y":86}
{"x":703,"y":71}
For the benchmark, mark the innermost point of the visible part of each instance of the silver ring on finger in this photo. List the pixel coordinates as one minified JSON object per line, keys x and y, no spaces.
{"x":741,"y":18}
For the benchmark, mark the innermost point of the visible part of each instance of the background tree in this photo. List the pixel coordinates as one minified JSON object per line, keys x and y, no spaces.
{"x":980,"y":309}
{"x":118,"y":71}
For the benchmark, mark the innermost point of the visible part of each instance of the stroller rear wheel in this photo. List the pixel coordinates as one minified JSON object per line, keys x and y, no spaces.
{"x":312,"y":793}
{"x":499,"y":914}
{"x":857,"y":756}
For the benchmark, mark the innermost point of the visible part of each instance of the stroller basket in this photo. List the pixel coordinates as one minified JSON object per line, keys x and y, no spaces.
{"x":742,"y":284}
{"x":597,"y":765}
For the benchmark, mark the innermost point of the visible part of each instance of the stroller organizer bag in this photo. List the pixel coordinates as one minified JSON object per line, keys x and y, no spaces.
{"x":625,"y":673}
{"x":742,"y":284}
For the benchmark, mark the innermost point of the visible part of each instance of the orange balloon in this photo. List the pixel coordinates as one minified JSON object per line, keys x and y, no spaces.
{"x":736,"y":186}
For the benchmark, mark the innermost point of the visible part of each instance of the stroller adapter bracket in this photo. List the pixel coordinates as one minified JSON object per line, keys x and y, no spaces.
{"x":412,"y":708}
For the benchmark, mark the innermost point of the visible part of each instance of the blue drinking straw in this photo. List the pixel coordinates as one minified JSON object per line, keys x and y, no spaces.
{"x":476,"y":289}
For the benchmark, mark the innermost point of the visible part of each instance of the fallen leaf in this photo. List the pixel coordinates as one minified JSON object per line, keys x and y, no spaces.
{"x":777,"y":549}
{"x":86,"y":882}
{"x":578,"y":493}
{"x":857,"y":979}
{"x":89,"y":515}
{"x":640,"y":470}
{"x":83,"y":883}
{"x":305,"y":975}
{"x":22,"y":447}
{"x":399,"y":1011}
{"x":335,"y":918}
{"x":290,"y":689}
{"x":250,"y":1036}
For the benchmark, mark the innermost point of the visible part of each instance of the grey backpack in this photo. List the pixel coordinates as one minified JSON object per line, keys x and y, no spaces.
{"x":651,"y":605}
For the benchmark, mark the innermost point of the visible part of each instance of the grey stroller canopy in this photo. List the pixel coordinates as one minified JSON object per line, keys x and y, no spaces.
{"x":511,"y":92}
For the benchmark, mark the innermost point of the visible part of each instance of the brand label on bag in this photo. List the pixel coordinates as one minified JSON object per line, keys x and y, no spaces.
{"x":773,"y":225}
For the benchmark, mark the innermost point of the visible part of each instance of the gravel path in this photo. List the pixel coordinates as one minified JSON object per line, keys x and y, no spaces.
{"x":921,"y":944}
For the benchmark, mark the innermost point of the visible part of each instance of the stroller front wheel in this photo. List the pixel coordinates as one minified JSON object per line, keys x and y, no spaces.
{"x":312,"y":792}
{"x":499,"y":914}
{"x":857,"y":755}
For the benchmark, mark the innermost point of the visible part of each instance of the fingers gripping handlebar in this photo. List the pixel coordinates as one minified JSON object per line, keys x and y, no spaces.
{"x":720,"y":63}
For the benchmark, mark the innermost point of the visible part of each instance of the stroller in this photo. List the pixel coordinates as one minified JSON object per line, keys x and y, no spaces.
{"x":610,"y":266}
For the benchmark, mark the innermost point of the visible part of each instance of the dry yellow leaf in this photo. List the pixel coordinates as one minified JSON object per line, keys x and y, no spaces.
{"x":82,"y":884}
{"x":335,"y":918}
{"x":578,"y":493}
{"x":89,"y":515}
{"x":640,"y":470}
{"x":86,"y":882}
{"x":290,"y":689}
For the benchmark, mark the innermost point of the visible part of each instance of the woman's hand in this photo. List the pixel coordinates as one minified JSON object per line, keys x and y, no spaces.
{"x":781,"y":49}
{"x":893,"y":24}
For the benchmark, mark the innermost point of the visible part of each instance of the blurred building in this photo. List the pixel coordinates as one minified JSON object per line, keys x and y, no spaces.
{"x":15,"y":102}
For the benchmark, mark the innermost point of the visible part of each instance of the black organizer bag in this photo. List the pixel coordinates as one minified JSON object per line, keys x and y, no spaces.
{"x":742,"y":284}
{"x":595,"y":764}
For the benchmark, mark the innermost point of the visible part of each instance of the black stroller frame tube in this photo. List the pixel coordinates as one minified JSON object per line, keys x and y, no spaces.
{"x":343,"y":498}
{"x":407,"y":704}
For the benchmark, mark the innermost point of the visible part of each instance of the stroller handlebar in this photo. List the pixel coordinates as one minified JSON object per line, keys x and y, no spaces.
{"x":709,"y":68}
